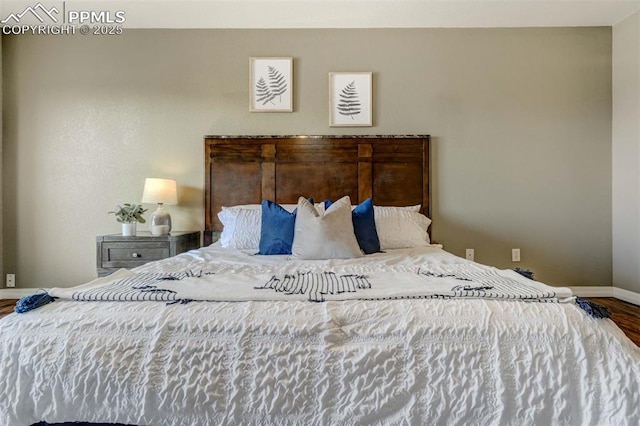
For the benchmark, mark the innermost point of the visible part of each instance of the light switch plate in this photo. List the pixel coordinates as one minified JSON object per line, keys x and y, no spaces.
{"x":470,"y":254}
{"x":515,"y":255}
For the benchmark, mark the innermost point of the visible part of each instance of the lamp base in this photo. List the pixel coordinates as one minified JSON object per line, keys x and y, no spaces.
{"x":160,"y":222}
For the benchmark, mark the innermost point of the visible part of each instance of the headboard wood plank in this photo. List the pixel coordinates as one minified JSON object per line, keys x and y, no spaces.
{"x":365,"y":171}
{"x":268,"y":171}
{"x":247,"y":169}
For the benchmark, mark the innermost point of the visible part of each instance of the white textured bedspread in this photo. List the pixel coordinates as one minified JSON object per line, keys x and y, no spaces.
{"x":457,"y":362}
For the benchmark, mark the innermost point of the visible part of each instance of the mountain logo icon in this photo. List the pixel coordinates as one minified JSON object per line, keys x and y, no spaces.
{"x":39,"y":11}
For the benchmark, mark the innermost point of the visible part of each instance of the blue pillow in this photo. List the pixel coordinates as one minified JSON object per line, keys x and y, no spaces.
{"x":276,"y":231}
{"x":364,"y":226}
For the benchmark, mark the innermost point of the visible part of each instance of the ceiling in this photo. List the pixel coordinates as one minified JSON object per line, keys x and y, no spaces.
{"x":351,"y":13}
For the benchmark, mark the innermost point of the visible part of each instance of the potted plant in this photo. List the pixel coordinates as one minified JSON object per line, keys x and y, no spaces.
{"x":129,"y":215}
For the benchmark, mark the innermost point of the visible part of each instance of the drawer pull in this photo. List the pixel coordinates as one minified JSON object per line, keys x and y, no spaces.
{"x":136,"y":255}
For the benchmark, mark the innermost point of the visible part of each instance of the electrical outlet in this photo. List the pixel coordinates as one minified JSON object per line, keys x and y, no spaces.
{"x":470,"y":254}
{"x":515,"y":255}
{"x":11,"y":280}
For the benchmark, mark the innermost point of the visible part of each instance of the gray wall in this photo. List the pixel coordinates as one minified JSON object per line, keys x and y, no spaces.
{"x":626,"y":154}
{"x":520,"y":119}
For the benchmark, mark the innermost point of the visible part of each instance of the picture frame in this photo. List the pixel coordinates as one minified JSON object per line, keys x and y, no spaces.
{"x":350,"y":99}
{"x":271,"y":84}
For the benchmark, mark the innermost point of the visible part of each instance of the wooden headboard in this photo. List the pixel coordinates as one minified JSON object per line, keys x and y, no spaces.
{"x":394,"y":170}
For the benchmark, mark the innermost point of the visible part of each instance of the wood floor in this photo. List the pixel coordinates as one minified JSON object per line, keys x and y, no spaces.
{"x":626,"y":315}
{"x":6,"y":306}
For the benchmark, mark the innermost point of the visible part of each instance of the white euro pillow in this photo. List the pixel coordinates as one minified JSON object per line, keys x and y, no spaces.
{"x":401,"y":227}
{"x":325,"y":236}
{"x":240,"y":227}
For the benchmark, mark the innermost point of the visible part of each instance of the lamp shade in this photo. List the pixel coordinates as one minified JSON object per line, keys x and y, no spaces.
{"x":163,"y":191}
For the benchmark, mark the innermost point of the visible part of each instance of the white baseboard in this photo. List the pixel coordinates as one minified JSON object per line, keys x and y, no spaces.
{"x":617,"y":292}
{"x":582,"y":291}
{"x":626,"y":295}
{"x":17,"y":293}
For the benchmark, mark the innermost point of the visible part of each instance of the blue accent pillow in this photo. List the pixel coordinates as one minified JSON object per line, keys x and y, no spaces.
{"x":277,"y":228}
{"x":364,"y":226}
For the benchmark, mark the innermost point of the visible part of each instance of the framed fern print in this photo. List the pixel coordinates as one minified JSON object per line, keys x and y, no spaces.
{"x":271,"y":84}
{"x":350,"y":99}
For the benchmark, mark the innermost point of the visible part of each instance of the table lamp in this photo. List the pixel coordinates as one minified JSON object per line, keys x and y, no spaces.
{"x":160,"y":191}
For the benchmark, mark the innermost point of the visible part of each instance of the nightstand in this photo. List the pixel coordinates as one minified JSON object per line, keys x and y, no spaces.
{"x":116,"y":251}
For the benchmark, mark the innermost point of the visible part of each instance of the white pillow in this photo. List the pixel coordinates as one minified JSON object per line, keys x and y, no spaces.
{"x":401,"y":227}
{"x":241,"y":227}
{"x":415,"y":208}
{"x":327,"y":236}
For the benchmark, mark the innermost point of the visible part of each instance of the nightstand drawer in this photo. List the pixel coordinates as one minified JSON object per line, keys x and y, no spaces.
{"x":117,"y":251}
{"x":125,"y":255}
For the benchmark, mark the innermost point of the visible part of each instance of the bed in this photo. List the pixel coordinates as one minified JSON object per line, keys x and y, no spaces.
{"x":405,"y":336}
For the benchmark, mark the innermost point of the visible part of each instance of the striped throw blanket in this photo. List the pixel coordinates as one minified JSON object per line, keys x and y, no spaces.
{"x":315,"y":286}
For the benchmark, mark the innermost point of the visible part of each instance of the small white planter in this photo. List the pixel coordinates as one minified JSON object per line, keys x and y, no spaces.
{"x":129,"y":229}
